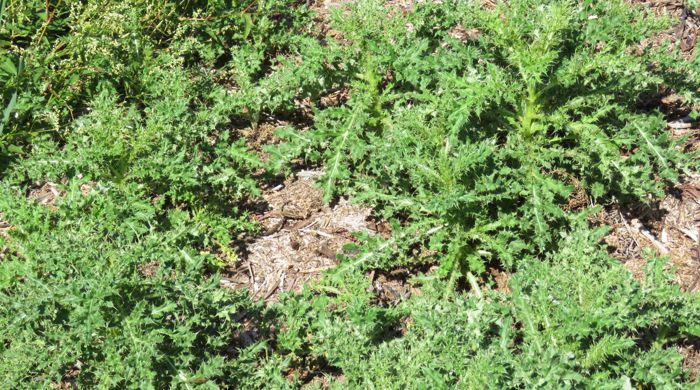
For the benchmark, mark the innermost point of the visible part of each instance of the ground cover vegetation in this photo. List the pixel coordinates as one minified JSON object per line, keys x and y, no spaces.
{"x":470,"y":127}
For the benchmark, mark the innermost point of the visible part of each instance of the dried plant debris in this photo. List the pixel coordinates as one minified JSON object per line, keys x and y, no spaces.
{"x":4,"y":225}
{"x":45,"y":194}
{"x":670,"y":228}
{"x":684,"y":34}
{"x":391,"y":287}
{"x":4,"y":228}
{"x":301,"y":238}
{"x":691,"y":359}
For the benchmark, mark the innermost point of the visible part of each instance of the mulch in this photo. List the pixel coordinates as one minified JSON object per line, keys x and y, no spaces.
{"x":300,"y":239}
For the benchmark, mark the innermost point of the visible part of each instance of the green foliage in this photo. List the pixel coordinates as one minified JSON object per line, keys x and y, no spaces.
{"x":124,"y":106}
{"x":575,"y":320}
{"x":178,"y":145}
{"x":57,"y":56}
{"x":468,"y":128}
{"x":487,"y":137}
{"x":109,"y":289}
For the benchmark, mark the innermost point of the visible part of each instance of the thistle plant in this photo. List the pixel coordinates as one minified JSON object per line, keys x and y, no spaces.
{"x":488,"y":137}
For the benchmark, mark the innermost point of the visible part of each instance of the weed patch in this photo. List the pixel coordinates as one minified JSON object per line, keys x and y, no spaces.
{"x":136,"y":135}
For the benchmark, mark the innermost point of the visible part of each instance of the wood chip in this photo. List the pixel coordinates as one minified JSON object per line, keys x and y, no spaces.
{"x":317,"y":232}
{"x":647,"y":234}
{"x":682,"y":123}
{"x":692,"y":234}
